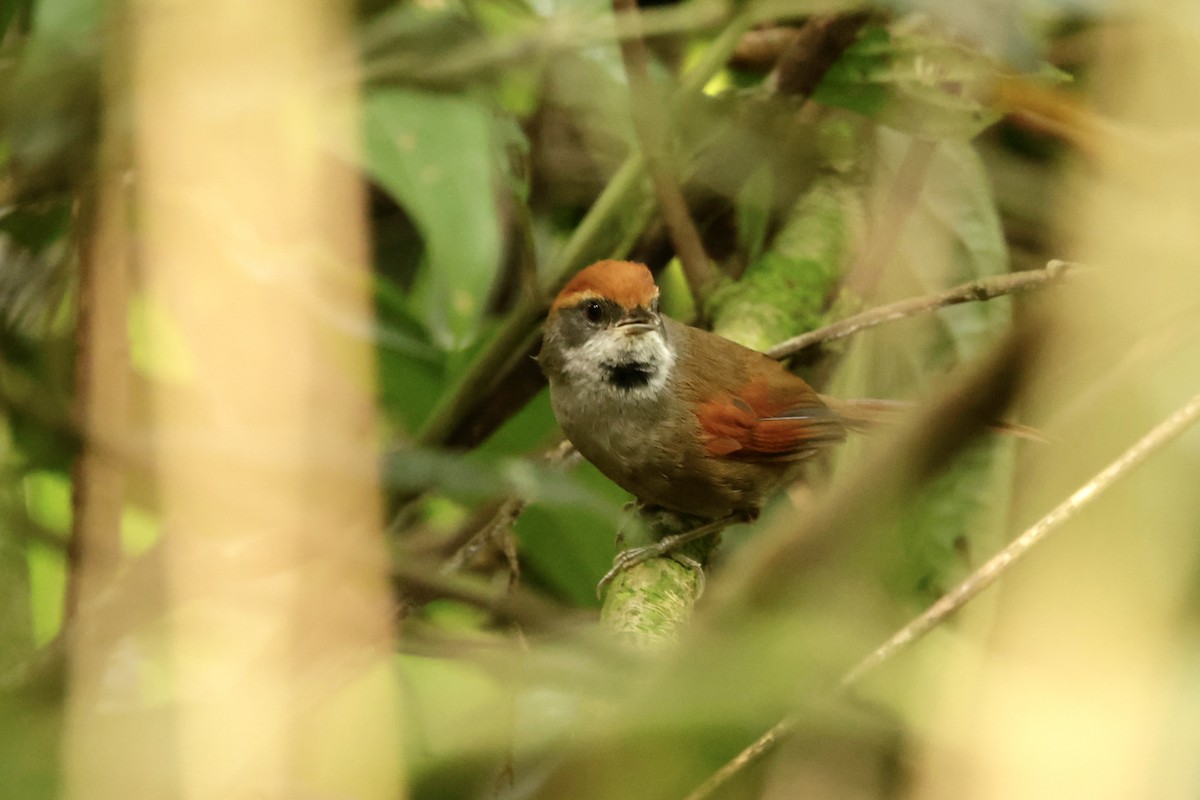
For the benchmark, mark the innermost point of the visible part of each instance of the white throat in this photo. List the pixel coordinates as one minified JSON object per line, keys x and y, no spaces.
{"x":633,"y":364}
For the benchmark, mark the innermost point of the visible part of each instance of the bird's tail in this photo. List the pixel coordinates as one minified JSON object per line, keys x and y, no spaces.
{"x":863,"y":414}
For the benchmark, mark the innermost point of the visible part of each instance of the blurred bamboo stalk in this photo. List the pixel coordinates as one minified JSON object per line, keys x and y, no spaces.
{"x":1086,"y":676}
{"x":1162,"y":434}
{"x":101,"y":384}
{"x":100,"y":412}
{"x":277,"y":677}
{"x":986,"y":575}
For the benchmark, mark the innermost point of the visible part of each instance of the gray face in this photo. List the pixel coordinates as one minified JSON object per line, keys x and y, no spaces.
{"x":599,"y":344}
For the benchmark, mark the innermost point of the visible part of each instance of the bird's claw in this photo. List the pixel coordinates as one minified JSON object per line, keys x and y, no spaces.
{"x":696,"y":567}
{"x":627,"y":559}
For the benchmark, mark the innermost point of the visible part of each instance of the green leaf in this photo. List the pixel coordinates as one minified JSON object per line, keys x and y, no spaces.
{"x":10,"y":10}
{"x":68,"y":19}
{"x":47,"y":586}
{"x":914,"y":81}
{"x":433,"y":154}
{"x":567,"y":552}
{"x":412,"y":371}
{"x":48,"y":500}
{"x":474,"y":476}
{"x":850,"y":83}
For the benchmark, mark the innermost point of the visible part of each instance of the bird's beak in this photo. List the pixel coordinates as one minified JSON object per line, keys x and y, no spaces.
{"x":639,"y":320}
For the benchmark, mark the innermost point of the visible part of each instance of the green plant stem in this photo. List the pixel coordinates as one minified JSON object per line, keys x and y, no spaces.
{"x":648,"y":602}
{"x":653,"y":133}
{"x":481,"y":374}
{"x":487,"y":370}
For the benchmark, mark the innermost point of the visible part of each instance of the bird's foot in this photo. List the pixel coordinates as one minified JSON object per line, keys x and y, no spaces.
{"x":627,"y":559}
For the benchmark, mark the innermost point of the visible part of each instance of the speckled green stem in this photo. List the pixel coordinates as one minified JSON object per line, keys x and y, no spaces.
{"x":649,"y":603}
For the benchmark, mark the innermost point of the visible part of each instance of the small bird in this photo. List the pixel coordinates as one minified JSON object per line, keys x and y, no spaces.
{"x":681,"y":418}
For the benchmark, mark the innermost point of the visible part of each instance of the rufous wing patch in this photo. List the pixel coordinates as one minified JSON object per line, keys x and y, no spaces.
{"x":762,"y":422}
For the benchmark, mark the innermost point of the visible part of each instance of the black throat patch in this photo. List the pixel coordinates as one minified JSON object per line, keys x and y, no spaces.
{"x":630,"y":375}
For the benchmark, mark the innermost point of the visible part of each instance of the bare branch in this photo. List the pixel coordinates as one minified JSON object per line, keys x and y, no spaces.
{"x":495,"y":528}
{"x":982,"y":289}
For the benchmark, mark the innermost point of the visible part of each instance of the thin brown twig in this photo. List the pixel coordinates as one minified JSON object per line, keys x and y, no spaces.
{"x":759,"y":748}
{"x":496,"y":526}
{"x":760,"y":48}
{"x":972,"y":291}
{"x":494,"y":534}
{"x":652,"y":132}
{"x":1161,"y":435}
{"x":419,"y":582}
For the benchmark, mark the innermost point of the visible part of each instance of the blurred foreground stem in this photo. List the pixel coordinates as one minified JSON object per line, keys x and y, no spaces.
{"x":1160,"y":436}
{"x":273,"y":634}
{"x":101,"y":386}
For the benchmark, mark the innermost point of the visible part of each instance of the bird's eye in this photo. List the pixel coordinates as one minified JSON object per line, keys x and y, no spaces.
{"x":593,"y":310}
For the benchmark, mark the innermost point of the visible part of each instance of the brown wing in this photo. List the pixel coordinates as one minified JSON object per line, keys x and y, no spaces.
{"x":773,"y":417}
